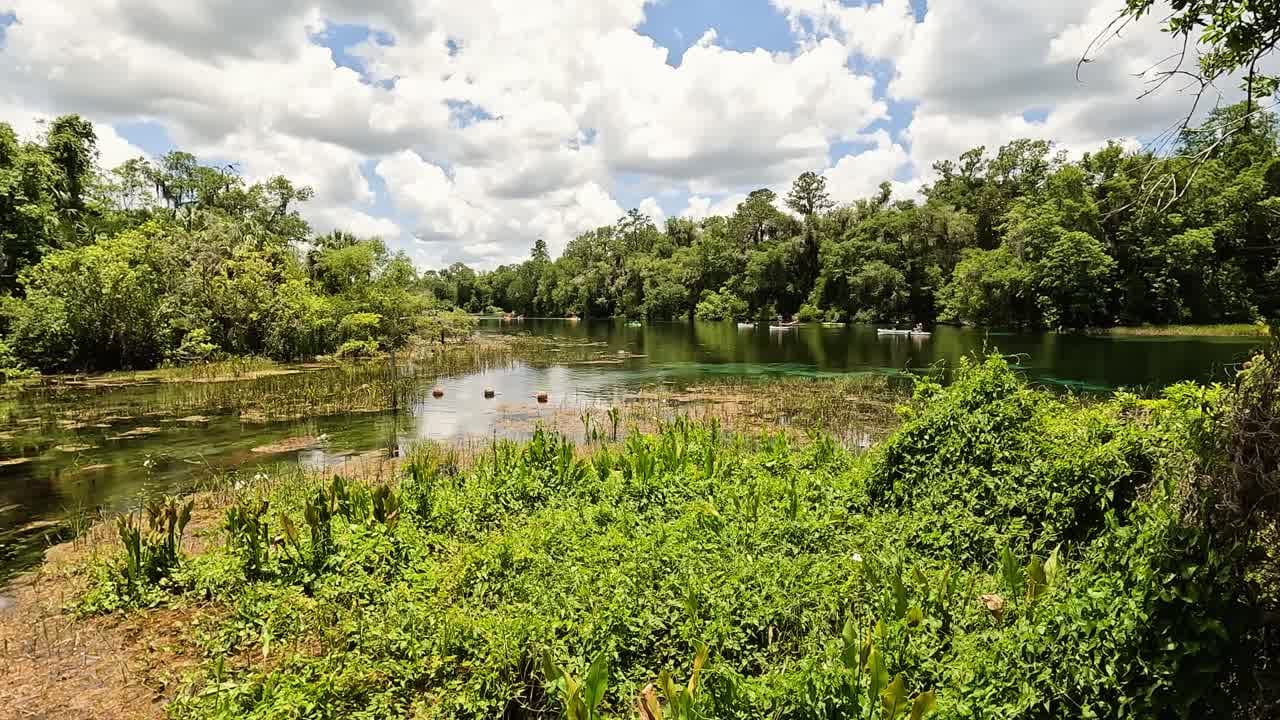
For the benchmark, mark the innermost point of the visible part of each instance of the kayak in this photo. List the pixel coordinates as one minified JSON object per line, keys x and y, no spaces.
{"x":913,"y":333}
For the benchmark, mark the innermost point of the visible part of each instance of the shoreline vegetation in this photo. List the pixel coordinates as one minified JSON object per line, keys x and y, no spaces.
{"x":174,"y":262}
{"x":1259,"y":330}
{"x":1003,"y":552}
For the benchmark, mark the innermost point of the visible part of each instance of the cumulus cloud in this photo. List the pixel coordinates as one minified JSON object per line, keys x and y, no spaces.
{"x":495,"y":122}
{"x":487,"y":227}
{"x":873,"y":29}
{"x":859,"y":175}
{"x":701,"y":207}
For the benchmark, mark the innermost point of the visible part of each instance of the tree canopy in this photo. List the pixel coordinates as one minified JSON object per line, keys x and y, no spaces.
{"x":1022,"y":236}
{"x":172,"y":260}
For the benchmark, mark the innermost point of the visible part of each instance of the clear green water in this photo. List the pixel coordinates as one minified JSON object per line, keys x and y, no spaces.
{"x":60,"y":468}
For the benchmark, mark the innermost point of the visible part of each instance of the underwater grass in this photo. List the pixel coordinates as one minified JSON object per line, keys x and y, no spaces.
{"x":1221,"y":330}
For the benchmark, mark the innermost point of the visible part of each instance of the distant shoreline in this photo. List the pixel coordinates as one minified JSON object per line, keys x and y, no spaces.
{"x":1218,"y":330}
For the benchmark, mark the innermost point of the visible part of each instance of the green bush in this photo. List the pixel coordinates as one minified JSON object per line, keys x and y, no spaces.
{"x":810,"y":313}
{"x":998,"y":459}
{"x":357,"y":349}
{"x":723,"y":305}
{"x":100,"y":306}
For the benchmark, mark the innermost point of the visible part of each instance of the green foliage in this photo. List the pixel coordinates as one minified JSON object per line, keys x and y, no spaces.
{"x":151,"y":554}
{"x":581,"y":698}
{"x":249,"y":535}
{"x":998,"y":459}
{"x":357,"y":349}
{"x":721,"y":306}
{"x":172,"y":261}
{"x":1007,"y":553}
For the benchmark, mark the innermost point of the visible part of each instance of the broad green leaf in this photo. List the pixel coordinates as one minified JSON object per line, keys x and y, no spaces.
{"x":879,"y":673}
{"x":923,"y":704}
{"x":893,"y":699}
{"x":597,"y":680}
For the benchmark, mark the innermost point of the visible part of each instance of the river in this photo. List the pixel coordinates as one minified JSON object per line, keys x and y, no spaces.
{"x":53,"y":469}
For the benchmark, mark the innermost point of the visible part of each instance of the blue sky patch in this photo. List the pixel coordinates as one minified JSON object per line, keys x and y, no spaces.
{"x":149,"y":135}
{"x":6,"y":19}
{"x":341,"y":38}
{"x":750,"y":24}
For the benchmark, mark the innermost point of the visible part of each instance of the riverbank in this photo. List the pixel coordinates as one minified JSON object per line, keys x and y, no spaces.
{"x":972,"y":559}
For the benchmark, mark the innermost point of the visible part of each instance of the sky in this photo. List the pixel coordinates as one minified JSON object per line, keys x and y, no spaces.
{"x":463,"y":130}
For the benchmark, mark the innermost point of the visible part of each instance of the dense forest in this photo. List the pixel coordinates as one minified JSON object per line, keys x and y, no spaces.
{"x":174,"y":261}
{"x":1023,"y":237}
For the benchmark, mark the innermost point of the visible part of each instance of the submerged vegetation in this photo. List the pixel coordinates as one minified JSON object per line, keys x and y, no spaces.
{"x":1238,"y":330}
{"x":1004,"y":553}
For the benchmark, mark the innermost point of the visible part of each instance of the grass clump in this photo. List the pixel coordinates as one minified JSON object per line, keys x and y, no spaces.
{"x":1005,"y":554}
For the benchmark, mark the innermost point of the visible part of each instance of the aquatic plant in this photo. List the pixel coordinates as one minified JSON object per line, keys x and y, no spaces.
{"x":151,"y":553}
{"x":249,"y":535}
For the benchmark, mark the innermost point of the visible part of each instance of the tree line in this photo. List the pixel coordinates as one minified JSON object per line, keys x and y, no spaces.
{"x":1022,"y":237}
{"x":172,"y":260}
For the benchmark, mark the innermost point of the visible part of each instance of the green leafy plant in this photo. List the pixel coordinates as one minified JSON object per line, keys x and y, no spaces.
{"x":386,"y":507}
{"x":151,"y":553}
{"x":249,"y":534}
{"x":681,"y":699}
{"x":581,"y":698}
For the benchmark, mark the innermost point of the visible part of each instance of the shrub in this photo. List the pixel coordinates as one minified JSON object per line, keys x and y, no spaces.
{"x":357,"y":349}
{"x":723,"y":305}
{"x":996,"y":458}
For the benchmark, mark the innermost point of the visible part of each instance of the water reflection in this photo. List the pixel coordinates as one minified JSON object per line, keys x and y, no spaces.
{"x":680,"y":349}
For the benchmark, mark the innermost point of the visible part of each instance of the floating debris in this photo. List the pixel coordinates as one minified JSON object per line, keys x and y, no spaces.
{"x":15,"y":461}
{"x":74,"y":448}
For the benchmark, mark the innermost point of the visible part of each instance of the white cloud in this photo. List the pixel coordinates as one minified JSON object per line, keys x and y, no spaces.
{"x":649,"y":206}
{"x":873,"y":29}
{"x":859,"y":175}
{"x":494,"y":122}
{"x":492,"y":227}
{"x":700,"y":207}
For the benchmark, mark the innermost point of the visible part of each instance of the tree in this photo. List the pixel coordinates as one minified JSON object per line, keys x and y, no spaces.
{"x":757,"y":218}
{"x":72,"y":145}
{"x":1229,"y":35}
{"x":808,"y":195}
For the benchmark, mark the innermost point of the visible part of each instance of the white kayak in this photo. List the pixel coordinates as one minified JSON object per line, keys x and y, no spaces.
{"x":913,"y":333}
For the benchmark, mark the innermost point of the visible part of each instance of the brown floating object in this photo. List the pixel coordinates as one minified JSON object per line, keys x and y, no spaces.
{"x":543,"y":396}
{"x":488,"y":392}
{"x":437,"y":392}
